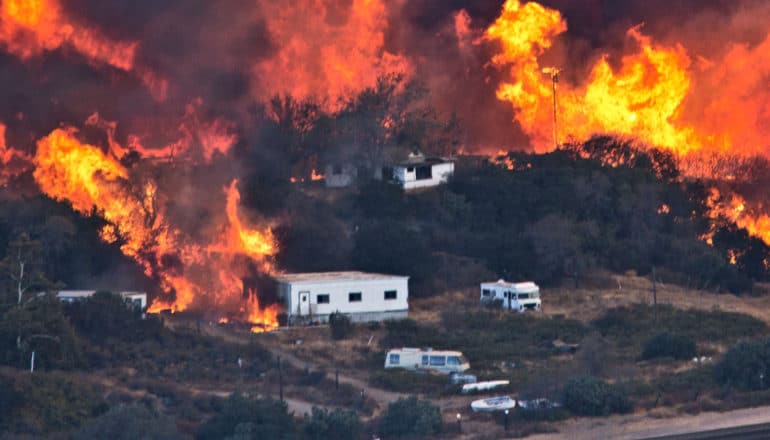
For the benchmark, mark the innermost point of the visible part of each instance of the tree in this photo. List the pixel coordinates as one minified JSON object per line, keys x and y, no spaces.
{"x":39,"y":325}
{"x":21,"y":266}
{"x":411,"y":417}
{"x":337,"y":424}
{"x":244,"y":418}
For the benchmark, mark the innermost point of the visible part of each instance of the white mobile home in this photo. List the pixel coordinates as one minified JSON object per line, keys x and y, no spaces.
{"x":422,"y":172}
{"x":362,"y":296}
{"x":137,"y":300}
{"x":443,"y":361}
{"x":512,"y":296}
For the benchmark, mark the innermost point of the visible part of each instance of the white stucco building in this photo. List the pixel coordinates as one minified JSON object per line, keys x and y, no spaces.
{"x":423,"y":172}
{"x":360,"y":295}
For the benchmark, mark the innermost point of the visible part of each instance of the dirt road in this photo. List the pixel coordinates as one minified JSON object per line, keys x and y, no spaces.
{"x":640,"y":426}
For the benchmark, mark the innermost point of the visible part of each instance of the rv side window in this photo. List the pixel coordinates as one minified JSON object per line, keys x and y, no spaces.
{"x":354,"y":297}
{"x":523,"y":295}
{"x":486,"y":292}
{"x":391,"y":294}
{"x":437,"y":361}
{"x":425,"y":359}
{"x":322,"y":298}
{"x":394,"y":359}
{"x":452,"y":360}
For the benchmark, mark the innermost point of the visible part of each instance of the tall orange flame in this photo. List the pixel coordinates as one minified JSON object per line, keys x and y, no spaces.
{"x":203,"y":275}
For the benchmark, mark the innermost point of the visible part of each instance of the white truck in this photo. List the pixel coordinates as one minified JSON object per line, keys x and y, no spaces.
{"x":442,"y":361}
{"x":511,"y":296}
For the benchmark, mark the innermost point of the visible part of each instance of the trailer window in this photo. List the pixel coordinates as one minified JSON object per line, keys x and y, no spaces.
{"x":322,"y":298}
{"x":524,"y":296}
{"x":354,"y":297}
{"x":437,"y":361}
{"x":394,"y":359}
{"x":425,"y":359}
{"x":391,"y":294}
{"x":452,"y":360}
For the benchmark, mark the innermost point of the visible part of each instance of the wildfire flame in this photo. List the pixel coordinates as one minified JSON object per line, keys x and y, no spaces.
{"x":644,"y":98}
{"x":199,"y":275}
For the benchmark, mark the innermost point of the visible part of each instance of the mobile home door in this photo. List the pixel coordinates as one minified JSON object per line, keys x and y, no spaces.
{"x":303,"y":306}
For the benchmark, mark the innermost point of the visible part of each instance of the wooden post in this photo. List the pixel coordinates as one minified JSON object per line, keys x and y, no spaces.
{"x":280,"y":380}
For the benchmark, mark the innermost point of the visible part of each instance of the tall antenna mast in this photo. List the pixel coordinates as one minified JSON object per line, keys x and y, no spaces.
{"x":554,"y":73}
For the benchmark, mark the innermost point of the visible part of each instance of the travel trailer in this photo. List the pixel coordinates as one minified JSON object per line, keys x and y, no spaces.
{"x":442,"y":361}
{"x":512,"y":296}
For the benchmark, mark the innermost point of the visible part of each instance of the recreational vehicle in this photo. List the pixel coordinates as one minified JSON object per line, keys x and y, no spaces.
{"x":511,"y":296}
{"x":442,"y":361}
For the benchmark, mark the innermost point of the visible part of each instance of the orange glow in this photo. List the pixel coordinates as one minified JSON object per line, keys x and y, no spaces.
{"x":12,"y":161}
{"x":664,"y":209}
{"x":316,"y":59}
{"x":206,"y":274}
{"x":316,"y":176}
{"x":28,"y":28}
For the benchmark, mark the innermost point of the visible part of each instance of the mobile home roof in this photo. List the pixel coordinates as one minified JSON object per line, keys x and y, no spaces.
{"x":335,"y":277}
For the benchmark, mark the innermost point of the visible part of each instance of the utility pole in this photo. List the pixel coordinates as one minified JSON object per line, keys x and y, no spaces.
{"x":554,"y":72}
{"x":654,"y":296}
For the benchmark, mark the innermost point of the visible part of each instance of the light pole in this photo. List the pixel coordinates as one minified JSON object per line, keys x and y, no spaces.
{"x":554,"y":72}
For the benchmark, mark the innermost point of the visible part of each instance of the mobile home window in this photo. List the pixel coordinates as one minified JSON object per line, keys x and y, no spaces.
{"x":437,"y":361}
{"x":322,"y":298}
{"x":395,"y":359}
{"x":391,"y":294}
{"x":452,"y":360}
{"x":486,"y":292}
{"x":354,"y":297}
{"x":425,"y":359}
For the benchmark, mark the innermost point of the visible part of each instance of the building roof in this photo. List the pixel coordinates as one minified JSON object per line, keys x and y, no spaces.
{"x":424,"y":161}
{"x":523,"y":286}
{"x":88,"y":293}
{"x":335,"y":277}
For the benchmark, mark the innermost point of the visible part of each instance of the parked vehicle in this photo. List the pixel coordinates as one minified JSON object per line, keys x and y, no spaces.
{"x":458,"y":378}
{"x":442,"y":361}
{"x":500,"y":403}
{"x":484,"y":386}
{"x":512,"y":296}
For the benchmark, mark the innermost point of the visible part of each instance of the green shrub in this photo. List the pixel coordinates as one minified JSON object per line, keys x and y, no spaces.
{"x":337,"y":424}
{"x":589,"y":396}
{"x":746,"y":365}
{"x":129,"y":422}
{"x":341,"y":326}
{"x":669,"y":345}
{"x":411,"y":417}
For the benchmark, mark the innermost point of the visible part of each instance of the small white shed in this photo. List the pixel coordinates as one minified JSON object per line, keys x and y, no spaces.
{"x":362,"y":296}
{"x":423,"y":172}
